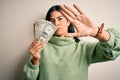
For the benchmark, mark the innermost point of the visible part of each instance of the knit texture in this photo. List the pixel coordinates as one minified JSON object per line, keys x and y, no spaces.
{"x":64,"y":59}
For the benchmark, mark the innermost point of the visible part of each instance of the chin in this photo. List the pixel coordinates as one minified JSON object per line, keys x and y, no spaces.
{"x":58,"y":34}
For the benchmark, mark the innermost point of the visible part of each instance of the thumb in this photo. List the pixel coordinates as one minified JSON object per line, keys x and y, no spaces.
{"x":72,"y":35}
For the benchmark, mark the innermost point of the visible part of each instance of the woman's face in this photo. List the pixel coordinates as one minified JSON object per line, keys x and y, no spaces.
{"x":60,"y":22}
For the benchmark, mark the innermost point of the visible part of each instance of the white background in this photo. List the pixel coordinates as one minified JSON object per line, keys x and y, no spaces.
{"x":16,"y":25}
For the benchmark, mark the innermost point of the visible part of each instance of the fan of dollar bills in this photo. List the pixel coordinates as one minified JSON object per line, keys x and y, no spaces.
{"x":44,"y":30}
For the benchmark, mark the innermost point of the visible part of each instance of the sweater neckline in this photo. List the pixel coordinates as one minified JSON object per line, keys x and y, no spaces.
{"x":61,"y":41}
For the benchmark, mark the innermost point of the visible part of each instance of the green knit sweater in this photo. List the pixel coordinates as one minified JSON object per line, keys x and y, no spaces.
{"x":64,"y":59}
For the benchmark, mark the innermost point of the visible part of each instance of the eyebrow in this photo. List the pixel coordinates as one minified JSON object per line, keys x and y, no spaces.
{"x":58,"y":17}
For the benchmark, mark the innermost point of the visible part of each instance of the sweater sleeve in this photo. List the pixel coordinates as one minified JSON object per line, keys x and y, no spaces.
{"x":30,"y":71}
{"x":104,"y":51}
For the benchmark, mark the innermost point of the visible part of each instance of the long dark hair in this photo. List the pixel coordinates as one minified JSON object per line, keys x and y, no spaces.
{"x":57,"y":8}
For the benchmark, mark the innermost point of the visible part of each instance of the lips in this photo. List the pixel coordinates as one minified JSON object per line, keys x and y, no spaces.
{"x":58,"y":28}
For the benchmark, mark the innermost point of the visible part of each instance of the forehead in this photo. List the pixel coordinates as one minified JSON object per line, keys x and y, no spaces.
{"x":56,"y":14}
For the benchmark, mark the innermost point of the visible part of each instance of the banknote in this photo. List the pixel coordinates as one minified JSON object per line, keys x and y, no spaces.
{"x":44,"y":30}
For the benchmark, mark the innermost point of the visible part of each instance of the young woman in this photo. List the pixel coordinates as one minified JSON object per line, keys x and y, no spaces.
{"x":65,"y":57}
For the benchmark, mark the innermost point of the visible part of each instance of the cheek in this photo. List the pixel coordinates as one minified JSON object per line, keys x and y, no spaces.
{"x":65,"y":23}
{"x":64,"y":26}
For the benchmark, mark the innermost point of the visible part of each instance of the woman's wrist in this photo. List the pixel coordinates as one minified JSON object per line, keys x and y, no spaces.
{"x":105,"y":35}
{"x":35,"y":61}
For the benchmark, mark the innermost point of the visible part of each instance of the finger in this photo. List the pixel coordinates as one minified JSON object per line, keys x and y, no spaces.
{"x":37,"y":47}
{"x":33,"y":47}
{"x":78,"y":9}
{"x":67,"y":16}
{"x":79,"y":18}
{"x":73,"y":34}
{"x":72,"y":11}
{"x":67,"y":11}
{"x":34,"y":42}
{"x":38,"y":50}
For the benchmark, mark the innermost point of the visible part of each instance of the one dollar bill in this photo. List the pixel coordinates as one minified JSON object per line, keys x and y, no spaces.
{"x":44,"y":30}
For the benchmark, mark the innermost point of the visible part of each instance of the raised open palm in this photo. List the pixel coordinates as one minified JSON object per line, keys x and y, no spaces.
{"x":83,"y":24}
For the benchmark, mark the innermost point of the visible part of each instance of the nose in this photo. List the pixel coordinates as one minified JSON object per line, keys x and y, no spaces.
{"x":56,"y":23}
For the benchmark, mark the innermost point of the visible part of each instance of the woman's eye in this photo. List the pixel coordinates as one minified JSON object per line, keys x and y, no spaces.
{"x":60,"y":19}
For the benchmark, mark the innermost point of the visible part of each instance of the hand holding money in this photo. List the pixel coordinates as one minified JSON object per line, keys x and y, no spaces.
{"x":44,"y":30}
{"x":35,"y":49}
